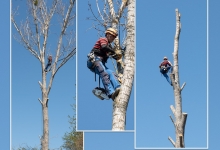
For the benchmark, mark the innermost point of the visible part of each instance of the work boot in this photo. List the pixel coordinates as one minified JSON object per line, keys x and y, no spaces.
{"x":115,"y":94}
{"x":100,"y":93}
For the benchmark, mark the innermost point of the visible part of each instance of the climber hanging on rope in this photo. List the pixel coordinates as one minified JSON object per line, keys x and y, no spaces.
{"x":49,"y":58}
{"x":165,"y":68}
{"x":96,"y":63}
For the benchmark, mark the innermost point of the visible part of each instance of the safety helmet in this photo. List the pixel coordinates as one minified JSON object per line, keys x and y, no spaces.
{"x":112,"y":31}
{"x":165,"y":58}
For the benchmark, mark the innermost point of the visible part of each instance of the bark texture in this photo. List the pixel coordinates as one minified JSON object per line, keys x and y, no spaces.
{"x":121,"y":102}
{"x":180,"y":117}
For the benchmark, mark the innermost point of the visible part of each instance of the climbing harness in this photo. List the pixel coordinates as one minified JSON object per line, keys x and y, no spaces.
{"x":91,"y":57}
{"x":163,"y":69}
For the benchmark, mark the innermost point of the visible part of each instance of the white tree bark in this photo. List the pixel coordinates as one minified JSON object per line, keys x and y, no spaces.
{"x":31,"y":37}
{"x":180,"y":117}
{"x":121,"y":102}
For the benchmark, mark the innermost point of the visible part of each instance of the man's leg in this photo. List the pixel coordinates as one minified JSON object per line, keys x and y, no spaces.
{"x":48,"y":64}
{"x":113,"y":78}
{"x":170,"y":69}
{"x":167,"y":77}
{"x":101,"y":71}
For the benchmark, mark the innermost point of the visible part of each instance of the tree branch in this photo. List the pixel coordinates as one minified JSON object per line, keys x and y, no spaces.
{"x":52,"y":10}
{"x":34,"y":9}
{"x":120,"y":11}
{"x":100,"y":14}
{"x":183,"y":86}
{"x":26,"y":44}
{"x":173,"y":110}
{"x":40,"y":101}
{"x":73,"y":52}
{"x":171,"y":140}
{"x":41,"y":86}
{"x":65,"y":24}
{"x":46,"y":25}
{"x":112,"y":11}
{"x":172,"y":120}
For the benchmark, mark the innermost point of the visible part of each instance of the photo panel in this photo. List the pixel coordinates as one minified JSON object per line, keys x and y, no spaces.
{"x":5,"y":75}
{"x":214,"y":73}
{"x":43,"y":73}
{"x":109,"y":141}
{"x":156,"y":105}
{"x":93,"y":113}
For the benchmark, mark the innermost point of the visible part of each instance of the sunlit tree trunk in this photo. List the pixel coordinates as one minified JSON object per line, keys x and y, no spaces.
{"x":121,"y":102}
{"x":180,"y":117}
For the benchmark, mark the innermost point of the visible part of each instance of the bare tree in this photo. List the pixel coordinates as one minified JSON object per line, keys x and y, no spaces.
{"x":107,"y":16}
{"x":180,"y":117}
{"x":33,"y":35}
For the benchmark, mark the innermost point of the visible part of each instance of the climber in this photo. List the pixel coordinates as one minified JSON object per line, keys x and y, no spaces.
{"x":165,"y":66}
{"x":96,"y":63}
{"x":49,"y":58}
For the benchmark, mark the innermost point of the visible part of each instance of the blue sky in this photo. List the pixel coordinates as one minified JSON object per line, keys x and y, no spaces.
{"x":214,"y":74}
{"x":93,"y":114}
{"x":5,"y":74}
{"x":26,"y":109}
{"x":109,"y":141}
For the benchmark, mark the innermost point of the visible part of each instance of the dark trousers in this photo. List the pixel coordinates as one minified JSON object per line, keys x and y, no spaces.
{"x":48,"y":65}
{"x":108,"y":77}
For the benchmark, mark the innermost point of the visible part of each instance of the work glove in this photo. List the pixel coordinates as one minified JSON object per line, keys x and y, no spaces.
{"x":118,"y":54}
{"x":120,"y":77}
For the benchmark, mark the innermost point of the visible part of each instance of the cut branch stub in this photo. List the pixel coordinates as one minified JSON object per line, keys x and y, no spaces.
{"x":173,"y":109}
{"x":171,"y":140}
{"x":40,"y":101}
{"x":172,"y":120}
{"x":183,"y":86}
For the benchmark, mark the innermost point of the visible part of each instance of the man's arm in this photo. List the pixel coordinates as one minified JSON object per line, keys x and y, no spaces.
{"x":170,"y":63}
{"x":107,"y":48}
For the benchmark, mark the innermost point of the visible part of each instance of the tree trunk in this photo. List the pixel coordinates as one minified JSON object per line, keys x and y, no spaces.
{"x":180,"y":117}
{"x":45,"y":138}
{"x":44,"y":104}
{"x":121,"y":102}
